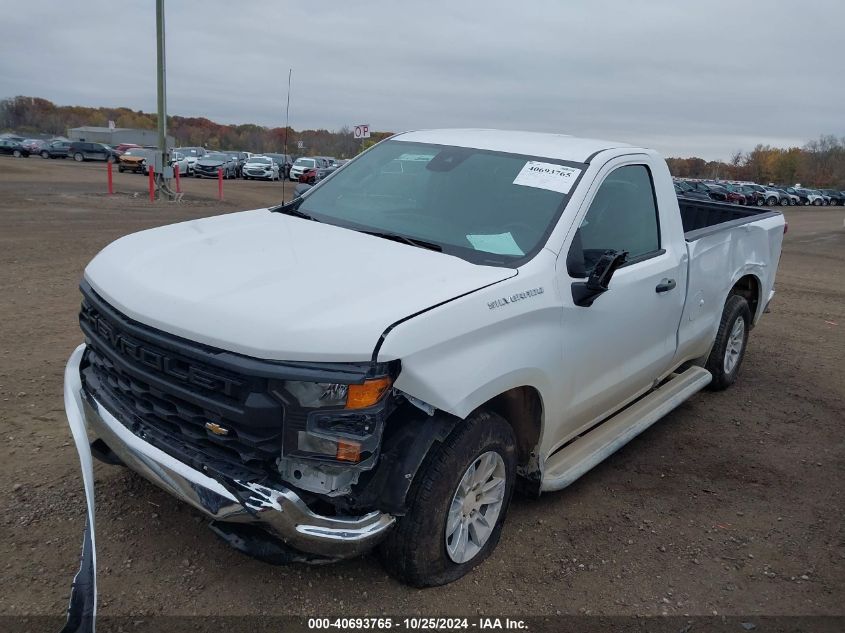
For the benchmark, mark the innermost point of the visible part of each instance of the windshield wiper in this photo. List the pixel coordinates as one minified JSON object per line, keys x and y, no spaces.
{"x":404,"y":239}
{"x":292,"y":208}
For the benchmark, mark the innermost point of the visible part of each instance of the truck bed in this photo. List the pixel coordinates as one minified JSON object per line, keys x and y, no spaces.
{"x":702,"y":217}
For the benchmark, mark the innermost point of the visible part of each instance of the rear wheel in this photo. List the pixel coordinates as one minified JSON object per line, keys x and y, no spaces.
{"x":760,"y":202}
{"x":784,"y":202}
{"x":17,"y":153}
{"x":78,"y":157}
{"x":457,"y":504}
{"x":729,"y":348}
{"x":817,"y":202}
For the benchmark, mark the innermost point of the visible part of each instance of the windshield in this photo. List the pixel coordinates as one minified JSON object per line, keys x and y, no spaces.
{"x":215,"y":156}
{"x":487,"y":207}
{"x":304,"y":162}
{"x":259,"y":159}
{"x":134,"y":152}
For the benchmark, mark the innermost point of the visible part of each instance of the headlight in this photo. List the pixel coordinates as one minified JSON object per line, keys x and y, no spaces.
{"x":325,"y":394}
{"x":345,"y":422}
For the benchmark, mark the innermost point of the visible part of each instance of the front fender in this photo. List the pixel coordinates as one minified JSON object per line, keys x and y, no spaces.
{"x":461,"y":354}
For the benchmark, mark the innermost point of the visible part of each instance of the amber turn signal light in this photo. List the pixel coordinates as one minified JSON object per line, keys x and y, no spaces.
{"x":366,"y":395}
{"x":348,"y":451}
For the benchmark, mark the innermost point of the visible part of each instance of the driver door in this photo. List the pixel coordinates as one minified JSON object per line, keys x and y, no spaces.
{"x":619,"y":346}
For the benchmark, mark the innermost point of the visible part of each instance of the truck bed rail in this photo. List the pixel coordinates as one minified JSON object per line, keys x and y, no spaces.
{"x":701,"y":217}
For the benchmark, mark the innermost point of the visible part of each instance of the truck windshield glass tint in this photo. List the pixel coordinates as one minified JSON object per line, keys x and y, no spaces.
{"x":463,"y":200}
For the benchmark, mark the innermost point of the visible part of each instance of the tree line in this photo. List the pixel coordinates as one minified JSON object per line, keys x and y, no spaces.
{"x":33,"y":115}
{"x":819,"y":164}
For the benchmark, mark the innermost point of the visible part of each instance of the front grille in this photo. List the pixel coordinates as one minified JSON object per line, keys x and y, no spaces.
{"x":161,"y":391}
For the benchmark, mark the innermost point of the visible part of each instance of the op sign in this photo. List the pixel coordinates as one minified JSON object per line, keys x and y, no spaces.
{"x":362,"y":131}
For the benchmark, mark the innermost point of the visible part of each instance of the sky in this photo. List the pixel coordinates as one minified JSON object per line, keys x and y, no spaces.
{"x":704,"y":78}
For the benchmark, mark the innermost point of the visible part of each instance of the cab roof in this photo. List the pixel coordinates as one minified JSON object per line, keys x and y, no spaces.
{"x":540,"y":144}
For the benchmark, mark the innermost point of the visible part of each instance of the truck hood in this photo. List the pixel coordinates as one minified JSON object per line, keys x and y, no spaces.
{"x":278,"y":287}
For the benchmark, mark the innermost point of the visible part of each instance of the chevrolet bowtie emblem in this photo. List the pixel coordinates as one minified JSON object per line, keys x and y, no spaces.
{"x":216,"y":428}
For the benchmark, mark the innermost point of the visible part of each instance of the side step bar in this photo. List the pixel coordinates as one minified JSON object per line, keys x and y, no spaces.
{"x":572,"y":461}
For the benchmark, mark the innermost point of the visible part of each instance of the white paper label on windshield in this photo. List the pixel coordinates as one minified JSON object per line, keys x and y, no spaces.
{"x":499,"y":243}
{"x":547,"y":176}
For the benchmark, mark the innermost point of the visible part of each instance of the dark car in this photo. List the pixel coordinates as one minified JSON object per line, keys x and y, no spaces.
{"x":55,"y":149}
{"x":13,"y":148}
{"x":682,"y":190}
{"x":83,"y":150}
{"x":239,"y":158}
{"x":731,"y":192}
{"x":33,"y":145}
{"x":784,"y":199}
{"x":284,"y":161}
{"x":207,"y":166}
{"x":836,"y":197}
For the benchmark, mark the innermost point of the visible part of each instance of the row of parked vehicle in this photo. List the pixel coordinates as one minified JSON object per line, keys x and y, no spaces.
{"x":191,"y":161}
{"x":759,"y":195}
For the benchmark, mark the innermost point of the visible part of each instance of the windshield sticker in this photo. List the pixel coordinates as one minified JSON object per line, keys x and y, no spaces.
{"x":517,"y":296}
{"x":499,"y":244}
{"x":547,"y":176}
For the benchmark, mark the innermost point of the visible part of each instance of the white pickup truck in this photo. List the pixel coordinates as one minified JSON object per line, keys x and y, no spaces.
{"x":381,"y":362}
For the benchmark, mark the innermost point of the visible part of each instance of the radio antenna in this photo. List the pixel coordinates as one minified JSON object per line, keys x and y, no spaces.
{"x":287,"y":127}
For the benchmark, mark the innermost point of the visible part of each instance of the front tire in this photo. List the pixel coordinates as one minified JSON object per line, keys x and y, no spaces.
{"x":731,"y":340}
{"x":17,"y":153}
{"x":457,"y":504}
{"x":45,"y":155}
{"x":78,"y":157}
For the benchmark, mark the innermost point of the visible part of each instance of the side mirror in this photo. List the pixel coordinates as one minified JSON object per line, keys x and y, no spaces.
{"x":585,"y":292}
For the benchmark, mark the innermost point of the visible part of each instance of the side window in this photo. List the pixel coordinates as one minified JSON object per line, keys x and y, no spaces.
{"x":622,"y":217}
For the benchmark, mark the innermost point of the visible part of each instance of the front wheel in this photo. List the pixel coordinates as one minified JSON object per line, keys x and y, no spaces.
{"x":457,"y":504}
{"x":78,"y":157}
{"x":17,"y":153}
{"x":760,"y":202}
{"x":45,"y":155}
{"x":729,"y":348}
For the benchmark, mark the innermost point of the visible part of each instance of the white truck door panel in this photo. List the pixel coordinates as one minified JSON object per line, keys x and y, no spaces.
{"x":617,"y":347}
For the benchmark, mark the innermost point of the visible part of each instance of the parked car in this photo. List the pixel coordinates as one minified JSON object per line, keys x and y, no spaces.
{"x":479,"y":346}
{"x":836,"y":198}
{"x":727,"y":193}
{"x":713,"y":191}
{"x":240,"y":159}
{"x":768,"y":196}
{"x":192,"y":155}
{"x":689,"y":192}
{"x":134,"y":159}
{"x":33,"y":145}
{"x":260,"y":168}
{"x":794,"y":197}
{"x":285,"y":162}
{"x":810,"y":196}
{"x":83,"y":151}
{"x":207,"y":166}
{"x":784,"y":198}
{"x":180,"y":160}
{"x":55,"y":149}
{"x":122,"y":147}
{"x":13,"y":148}
{"x":301,"y":165}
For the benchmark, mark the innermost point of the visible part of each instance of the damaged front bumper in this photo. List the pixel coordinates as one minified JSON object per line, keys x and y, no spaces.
{"x":278,"y":510}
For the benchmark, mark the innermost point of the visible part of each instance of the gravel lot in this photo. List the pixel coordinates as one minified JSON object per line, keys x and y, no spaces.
{"x":732,"y":504}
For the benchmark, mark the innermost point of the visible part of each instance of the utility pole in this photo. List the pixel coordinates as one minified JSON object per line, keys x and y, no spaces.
{"x":163,"y":157}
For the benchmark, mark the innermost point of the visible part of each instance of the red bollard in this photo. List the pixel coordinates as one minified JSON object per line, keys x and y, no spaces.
{"x":108,"y":170}
{"x":152,"y":173}
{"x":219,"y":184}
{"x":178,"y":180}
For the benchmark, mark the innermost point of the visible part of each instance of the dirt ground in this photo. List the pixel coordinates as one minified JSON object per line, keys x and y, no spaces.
{"x":733,"y":504}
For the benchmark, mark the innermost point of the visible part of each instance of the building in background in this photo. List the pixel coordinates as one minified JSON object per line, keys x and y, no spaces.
{"x":116,"y":136}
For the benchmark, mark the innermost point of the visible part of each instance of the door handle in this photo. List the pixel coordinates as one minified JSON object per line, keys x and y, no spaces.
{"x":665,"y":285}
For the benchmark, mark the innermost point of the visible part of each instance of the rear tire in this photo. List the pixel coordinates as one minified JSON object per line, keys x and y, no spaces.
{"x":17,"y":153}
{"x":78,"y":157}
{"x":728,"y":350}
{"x":418,"y":551}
